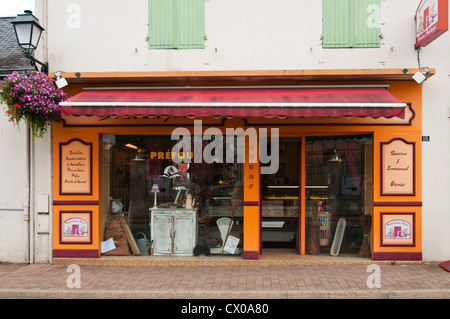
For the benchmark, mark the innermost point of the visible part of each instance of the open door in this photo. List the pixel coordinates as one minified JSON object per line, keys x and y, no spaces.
{"x":280,"y":200}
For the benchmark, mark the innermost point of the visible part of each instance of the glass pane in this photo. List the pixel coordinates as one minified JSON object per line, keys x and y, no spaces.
{"x":24,"y":33}
{"x":134,"y":166}
{"x":338,"y":185}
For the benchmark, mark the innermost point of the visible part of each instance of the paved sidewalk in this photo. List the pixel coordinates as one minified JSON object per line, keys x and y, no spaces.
{"x":302,"y":281}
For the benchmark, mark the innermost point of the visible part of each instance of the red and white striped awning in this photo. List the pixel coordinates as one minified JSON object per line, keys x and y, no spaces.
{"x":269,"y":102}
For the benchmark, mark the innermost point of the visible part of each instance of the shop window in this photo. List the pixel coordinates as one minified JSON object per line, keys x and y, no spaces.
{"x":176,"y":24}
{"x":133,"y":167}
{"x":351,"y":24}
{"x":338,"y":185}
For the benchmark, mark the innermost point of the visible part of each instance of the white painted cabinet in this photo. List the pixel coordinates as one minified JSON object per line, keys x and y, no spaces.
{"x":173,"y":231}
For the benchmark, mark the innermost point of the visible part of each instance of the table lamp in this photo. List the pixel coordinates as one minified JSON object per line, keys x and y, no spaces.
{"x":155,"y":189}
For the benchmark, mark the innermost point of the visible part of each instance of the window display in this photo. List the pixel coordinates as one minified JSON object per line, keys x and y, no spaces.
{"x":154,"y":193}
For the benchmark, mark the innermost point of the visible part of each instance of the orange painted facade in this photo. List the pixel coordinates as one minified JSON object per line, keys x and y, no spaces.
{"x":382,"y":130}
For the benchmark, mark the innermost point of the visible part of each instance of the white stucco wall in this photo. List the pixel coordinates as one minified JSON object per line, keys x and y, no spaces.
{"x":110,"y":35}
{"x":436,"y":153}
{"x":13,"y":239}
{"x":17,"y":233}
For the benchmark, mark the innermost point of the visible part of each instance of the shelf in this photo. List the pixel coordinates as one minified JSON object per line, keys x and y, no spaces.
{"x":273,"y":186}
{"x":317,"y":187}
{"x":281,"y":197}
{"x":280,"y":216}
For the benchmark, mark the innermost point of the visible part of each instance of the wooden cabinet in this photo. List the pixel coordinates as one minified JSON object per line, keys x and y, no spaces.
{"x":173,"y":231}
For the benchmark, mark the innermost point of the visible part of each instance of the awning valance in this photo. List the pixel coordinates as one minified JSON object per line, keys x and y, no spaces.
{"x":270,"y":102}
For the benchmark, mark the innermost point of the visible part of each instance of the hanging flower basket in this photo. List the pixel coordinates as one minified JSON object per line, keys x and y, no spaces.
{"x":32,"y":97}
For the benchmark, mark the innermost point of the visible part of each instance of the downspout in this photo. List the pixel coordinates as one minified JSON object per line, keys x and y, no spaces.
{"x":26,"y":203}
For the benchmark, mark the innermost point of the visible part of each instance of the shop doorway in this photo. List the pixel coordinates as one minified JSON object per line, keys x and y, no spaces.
{"x":280,"y":193}
{"x":338,"y":195}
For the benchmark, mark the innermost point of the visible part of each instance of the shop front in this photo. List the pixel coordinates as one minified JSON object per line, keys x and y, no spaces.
{"x":219,"y":171}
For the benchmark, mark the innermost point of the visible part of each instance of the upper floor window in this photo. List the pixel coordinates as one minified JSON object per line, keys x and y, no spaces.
{"x":351,"y":23}
{"x":176,"y":24}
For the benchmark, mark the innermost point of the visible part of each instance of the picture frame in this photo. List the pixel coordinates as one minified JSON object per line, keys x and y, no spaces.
{"x":75,"y":227}
{"x":398,"y":229}
{"x":75,"y":167}
{"x":398,"y":167}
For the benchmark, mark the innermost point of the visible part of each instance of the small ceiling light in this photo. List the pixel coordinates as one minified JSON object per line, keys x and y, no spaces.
{"x":140,"y":155}
{"x":28,"y":33}
{"x":334,"y":157}
{"x":131,"y":146}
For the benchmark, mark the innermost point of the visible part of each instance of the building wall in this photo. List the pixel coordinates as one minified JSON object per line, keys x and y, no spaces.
{"x":106,"y":36}
{"x":110,"y":36}
{"x":436,"y":153}
{"x":13,"y":229}
{"x":24,"y":237}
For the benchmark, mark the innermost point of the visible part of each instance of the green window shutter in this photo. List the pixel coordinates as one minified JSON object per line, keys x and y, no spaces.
{"x":191,"y":24}
{"x":366,"y":24}
{"x":351,"y":23}
{"x":161,"y":24}
{"x":176,"y":24}
{"x":336,"y":24}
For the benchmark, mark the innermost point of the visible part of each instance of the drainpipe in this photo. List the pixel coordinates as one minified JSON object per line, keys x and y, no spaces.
{"x":26,"y":203}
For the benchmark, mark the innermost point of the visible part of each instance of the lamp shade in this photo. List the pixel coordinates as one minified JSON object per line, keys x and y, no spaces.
{"x":140,"y":155}
{"x":334,"y":157}
{"x":28,"y":31}
{"x":155,"y":188}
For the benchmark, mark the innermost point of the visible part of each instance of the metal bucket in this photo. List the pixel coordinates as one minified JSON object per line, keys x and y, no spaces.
{"x":143,"y":243}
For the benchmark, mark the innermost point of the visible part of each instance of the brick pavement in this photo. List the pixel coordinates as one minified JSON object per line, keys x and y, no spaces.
{"x":347,"y":281}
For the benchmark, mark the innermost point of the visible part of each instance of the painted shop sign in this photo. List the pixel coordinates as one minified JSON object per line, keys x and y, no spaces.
{"x":75,"y":168}
{"x":398,"y":167}
{"x":75,"y":227}
{"x":398,"y":229}
{"x":431,"y":21}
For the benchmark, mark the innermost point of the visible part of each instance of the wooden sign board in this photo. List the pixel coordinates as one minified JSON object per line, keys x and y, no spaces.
{"x":75,"y":227}
{"x":398,"y":167}
{"x":75,"y":168}
{"x":397,"y":229}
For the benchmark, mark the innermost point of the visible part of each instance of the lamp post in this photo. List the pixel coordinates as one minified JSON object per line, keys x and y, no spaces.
{"x":28,"y":33}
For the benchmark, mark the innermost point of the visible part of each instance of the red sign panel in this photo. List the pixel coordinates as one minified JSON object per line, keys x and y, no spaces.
{"x":431,"y":21}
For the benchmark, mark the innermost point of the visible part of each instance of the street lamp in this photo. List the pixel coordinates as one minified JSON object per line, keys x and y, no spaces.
{"x":28,"y":33}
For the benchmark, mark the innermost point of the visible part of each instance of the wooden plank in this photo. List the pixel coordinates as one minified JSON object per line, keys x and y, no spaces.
{"x":129,"y":235}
